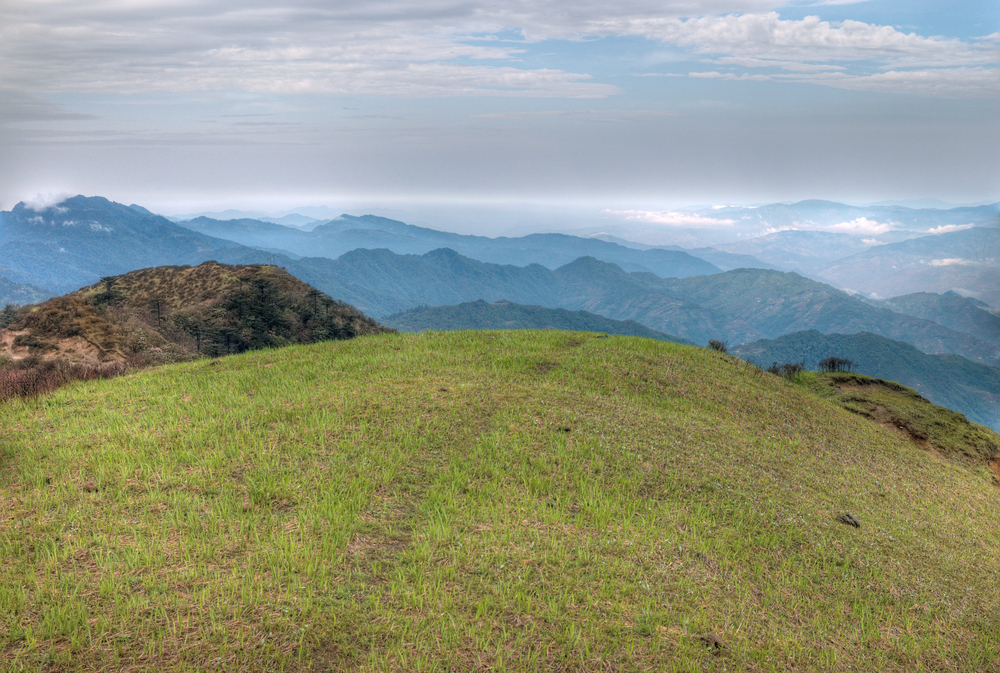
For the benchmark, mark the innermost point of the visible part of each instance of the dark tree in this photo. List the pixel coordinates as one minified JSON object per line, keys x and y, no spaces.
{"x":835,"y":364}
{"x":9,"y":316}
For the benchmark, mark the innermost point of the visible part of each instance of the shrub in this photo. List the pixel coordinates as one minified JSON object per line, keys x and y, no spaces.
{"x":788,"y":370}
{"x":33,"y":376}
{"x":718,"y":346}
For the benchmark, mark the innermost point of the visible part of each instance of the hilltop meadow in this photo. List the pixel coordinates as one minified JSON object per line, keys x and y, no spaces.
{"x":508,"y":501}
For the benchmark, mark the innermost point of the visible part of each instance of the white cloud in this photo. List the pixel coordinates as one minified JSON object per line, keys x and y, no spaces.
{"x":948,"y":228}
{"x":795,"y":66}
{"x":812,"y":48}
{"x":718,"y":75}
{"x":431,"y":47}
{"x":669,"y":218}
{"x":952,"y":261}
{"x":40,"y":202}
{"x":767,"y":36}
{"x":861,"y":226}
{"x":586,"y":115}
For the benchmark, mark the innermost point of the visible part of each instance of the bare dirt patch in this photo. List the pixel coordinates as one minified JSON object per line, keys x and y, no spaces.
{"x":889,"y":420}
{"x":994,"y":466}
{"x":75,"y":350}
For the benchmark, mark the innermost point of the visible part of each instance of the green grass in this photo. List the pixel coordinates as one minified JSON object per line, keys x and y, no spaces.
{"x":482,"y":500}
{"x":894,"y":405}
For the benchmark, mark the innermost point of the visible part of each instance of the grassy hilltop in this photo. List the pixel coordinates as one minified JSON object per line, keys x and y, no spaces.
{"x":489,"y":501}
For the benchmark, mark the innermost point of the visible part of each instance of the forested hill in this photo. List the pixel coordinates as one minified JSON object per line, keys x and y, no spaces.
{"x":177,"y":311}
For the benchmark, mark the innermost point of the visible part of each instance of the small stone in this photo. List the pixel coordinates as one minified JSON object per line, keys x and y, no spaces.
{"x":712,"y":641}
{"x":849,"y":520}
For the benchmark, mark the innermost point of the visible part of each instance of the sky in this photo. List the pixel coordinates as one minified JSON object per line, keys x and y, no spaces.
{"x":586,"y":106}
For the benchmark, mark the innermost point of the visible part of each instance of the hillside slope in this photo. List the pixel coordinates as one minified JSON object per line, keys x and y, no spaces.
{"x":949,"y":380}
{"x":490,"y":500}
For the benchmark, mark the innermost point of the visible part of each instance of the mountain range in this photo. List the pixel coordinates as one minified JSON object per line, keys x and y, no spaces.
{"x":74,"y":243}
{"x":384,"y":266}
{"x":503,"y":314}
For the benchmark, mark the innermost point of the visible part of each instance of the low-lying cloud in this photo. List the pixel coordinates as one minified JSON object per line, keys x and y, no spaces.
{"x":948,"y":228}
{"x":40,"y":202}
{"x":669,"y":218}
{"x":860,"y":226}
{"x":952,"y":261}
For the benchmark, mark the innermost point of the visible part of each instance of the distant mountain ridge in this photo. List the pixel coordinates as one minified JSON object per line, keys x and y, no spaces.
{"x":737,"y":306}
{"x":346,"y":233}
{"x":962,"y":314}
{"x":20,"y":293}
{"x":504,"y":314}
{"x":671,"y":291}
{"x":65,"y":246}
{"x":968,"y":259}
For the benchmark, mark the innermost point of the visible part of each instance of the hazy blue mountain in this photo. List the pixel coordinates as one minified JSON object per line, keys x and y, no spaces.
{"x":20,"y":293}
{"x":727,"y":261}
{"x":78,"y":241}
{"x":737,"y":306}
{"x":504,"y":314}
{"x":952,"y":381}
{"x":803,"y":251}
{"x":346,"y":233}
{"x":74,"y":243}
{"x":381,"y":282}
{"x":775,"y":303}
{"x":967,"y":260}
{"x":962,"y":314}
{"x":251,"y":232}
{"x":592,"y":285}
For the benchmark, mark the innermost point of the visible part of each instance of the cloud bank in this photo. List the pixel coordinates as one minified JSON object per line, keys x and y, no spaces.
{"x":452,"y":47}
{"x":669,"y":218}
